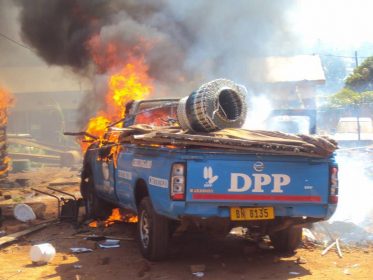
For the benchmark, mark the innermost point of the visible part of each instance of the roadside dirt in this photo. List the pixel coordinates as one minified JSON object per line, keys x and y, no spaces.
{"x":230,"y":258}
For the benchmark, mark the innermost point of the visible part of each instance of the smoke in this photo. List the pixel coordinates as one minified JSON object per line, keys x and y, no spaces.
{"x":355,"y":187}
{"x":184,"y":43}
{"x":259,"y":112}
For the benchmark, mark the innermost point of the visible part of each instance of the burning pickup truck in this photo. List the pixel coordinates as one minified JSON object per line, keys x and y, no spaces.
{"x":177,"y":162}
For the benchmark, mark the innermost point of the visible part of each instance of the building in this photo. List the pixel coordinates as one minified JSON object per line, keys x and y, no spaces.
{"x":47,"y":101}
{"x":290,"y":82}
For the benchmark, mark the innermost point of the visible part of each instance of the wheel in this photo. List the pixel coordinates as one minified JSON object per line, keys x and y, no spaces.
{"x":152,"y":232}
{"x":95,"y":207}
{"x":287,"y":240}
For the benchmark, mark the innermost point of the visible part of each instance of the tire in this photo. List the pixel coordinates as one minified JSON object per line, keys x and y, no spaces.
{"x":95,"y":207}
{"x":152,"y":232}
{"x":287,"y":240}
{"x":215,"y":105}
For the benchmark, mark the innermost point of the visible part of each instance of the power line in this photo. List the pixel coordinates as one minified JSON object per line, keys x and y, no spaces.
{"x":341,"y":56}
{"x":15,"y":42}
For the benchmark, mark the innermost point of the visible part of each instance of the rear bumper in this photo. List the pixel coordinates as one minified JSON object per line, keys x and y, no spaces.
{"x":177,"y":210}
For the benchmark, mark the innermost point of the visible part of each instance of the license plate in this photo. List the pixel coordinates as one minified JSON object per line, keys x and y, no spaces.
{"x":252,"y":213}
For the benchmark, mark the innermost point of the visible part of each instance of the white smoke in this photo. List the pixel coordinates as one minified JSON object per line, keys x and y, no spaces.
{"x":355,"y":189}
{"x":258,"y":113}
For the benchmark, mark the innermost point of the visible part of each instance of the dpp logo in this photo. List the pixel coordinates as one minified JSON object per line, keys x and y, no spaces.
{"x":209,"y":177}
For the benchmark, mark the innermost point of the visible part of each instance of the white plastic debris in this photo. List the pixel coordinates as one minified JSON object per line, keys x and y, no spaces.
{"x":308,"y":235}
{"x":80,"y":250}
{"x":110,"y":243}
{"x":199,"y":274}
{"x":42,"y":253}
{"x":294,"y":273}
{"x":77,"y":266}
{"x":24,"y":213}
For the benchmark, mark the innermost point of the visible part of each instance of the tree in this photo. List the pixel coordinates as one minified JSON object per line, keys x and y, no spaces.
{"x":358,"y":87}
{"x":362,"y":77}
{"x":346,"y":97}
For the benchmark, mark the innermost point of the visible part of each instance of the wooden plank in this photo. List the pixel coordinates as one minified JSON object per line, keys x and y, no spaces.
{"x":14,"y":236}
{"x":264,"y":142}
{"x":232,"y":143}
{"x":257,"y":150}
{"x":292,"y":143}
{"x":64,"y":182}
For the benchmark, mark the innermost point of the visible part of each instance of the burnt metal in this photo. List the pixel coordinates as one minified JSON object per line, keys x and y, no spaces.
{"x":67,"y":208}
{"x":81,"y":133}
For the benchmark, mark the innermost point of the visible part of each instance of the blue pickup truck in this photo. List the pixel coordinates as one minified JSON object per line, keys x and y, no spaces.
{"x":169,"y":186}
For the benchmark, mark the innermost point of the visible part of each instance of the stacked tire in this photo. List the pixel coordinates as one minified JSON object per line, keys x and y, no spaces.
{"x":215,"y":105}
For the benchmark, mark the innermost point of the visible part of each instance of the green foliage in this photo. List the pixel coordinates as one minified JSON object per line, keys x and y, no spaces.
{"x":347,"y":97}
{"x":358,"y":87}
{"x":367,"y":97}
{"x":362,"y":77}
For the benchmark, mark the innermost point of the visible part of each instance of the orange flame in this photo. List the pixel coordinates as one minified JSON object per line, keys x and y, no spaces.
{"x":6,"y":100}
{"x":6,"y":164}
{"x":115,"y":216}
{"x":131,"y":83}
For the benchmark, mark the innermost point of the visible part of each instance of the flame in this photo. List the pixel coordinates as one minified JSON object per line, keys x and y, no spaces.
{"x":6,"y":100}
{"x":115,"y":216}
{"x":130,"y":83}
{"x":93,"y":224}
{"x":7,"y":166}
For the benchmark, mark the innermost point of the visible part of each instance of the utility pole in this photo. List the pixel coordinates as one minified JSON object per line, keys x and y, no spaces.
{"x":357,"y":106}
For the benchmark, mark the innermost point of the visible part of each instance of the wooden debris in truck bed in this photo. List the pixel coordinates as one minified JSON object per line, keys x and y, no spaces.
{"x":253,"y":141}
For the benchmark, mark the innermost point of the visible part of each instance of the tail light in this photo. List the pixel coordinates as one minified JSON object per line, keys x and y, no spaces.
{"x":178,"y":181}
{"x":333,"y":190}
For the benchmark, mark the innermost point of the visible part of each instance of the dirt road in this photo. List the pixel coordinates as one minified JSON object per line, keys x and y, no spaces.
{"x":231,"y":258}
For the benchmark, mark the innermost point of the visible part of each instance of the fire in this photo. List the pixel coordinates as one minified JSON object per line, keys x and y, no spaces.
{"x":6,"y":161}
{"x":131,"y":83}
{"x":6,"y":101}
{"x":115,"y":216}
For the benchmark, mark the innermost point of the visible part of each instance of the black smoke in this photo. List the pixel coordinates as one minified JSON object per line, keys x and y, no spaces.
{"x":58,"y":30}
{"x":187,"y":42}
{"x":186,"y":38}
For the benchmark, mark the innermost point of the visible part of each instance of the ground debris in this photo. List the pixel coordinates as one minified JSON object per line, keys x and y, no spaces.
{"x":14,"y":236}
{"x":80,"y":250}
{"x":110,"y":243}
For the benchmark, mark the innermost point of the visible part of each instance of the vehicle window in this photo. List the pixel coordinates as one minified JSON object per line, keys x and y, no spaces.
{"x":154,"y":114}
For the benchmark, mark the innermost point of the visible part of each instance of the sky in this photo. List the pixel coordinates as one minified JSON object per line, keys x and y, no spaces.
{"x":338,"y":24}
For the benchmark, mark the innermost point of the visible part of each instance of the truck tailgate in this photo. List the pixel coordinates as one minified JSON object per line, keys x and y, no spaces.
{"x":249,"y":182}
